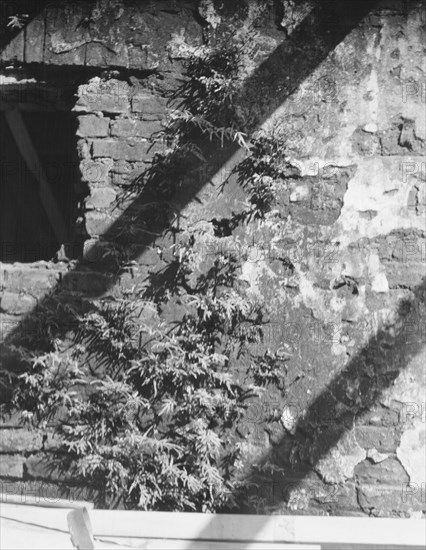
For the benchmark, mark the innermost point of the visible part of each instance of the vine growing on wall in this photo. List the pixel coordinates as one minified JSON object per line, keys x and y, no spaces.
{"x":149,"y":402}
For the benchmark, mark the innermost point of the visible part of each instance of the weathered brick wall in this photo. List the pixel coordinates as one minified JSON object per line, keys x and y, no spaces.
{"x":349,"y":311}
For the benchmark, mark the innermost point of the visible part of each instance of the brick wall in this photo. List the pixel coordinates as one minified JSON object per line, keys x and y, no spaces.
{"x":351,"y":219}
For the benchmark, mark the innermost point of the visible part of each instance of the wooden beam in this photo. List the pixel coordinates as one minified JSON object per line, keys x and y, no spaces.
{"x":31,"y":158}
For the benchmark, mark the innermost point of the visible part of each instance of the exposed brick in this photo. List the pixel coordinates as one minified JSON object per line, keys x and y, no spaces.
{"x":124,"y":173}
{"x":149,"y":106}
{"x":95,"y":171}
{"x":381,"y":416}
{"x":377,"y":437}
{"x":11,"y":466}
{"x":97,"y":223}
{"x":83,"y":149}
{"x":122,"y":167}
{"x":405,"y":274}
{"x":124,"y":150}
{"x":12,"y":441}
{"x":92,"y":126}
{"x":122,"y":179}
{"x":104,"y":103}
{"x":17,"y":304}
{"x":387,"y":472}
{"x":384,"y":501}
{"x":101,"y":197}
{"x":107,"y":97}
{"x":317,"y":494}
{"x":32,"y":280}
{"x":135,"y":128}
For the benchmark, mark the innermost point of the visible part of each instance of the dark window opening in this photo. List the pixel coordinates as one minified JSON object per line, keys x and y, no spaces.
{"x":26,"y":231}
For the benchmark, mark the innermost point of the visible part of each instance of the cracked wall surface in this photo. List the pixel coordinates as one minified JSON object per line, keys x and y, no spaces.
{"x":347,"y":303}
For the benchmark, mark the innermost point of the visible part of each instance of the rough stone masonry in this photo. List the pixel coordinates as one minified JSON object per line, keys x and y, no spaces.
{"x":351,"y":220}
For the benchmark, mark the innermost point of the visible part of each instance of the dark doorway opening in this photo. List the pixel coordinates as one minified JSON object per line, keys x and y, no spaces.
{"x":26,"y":231}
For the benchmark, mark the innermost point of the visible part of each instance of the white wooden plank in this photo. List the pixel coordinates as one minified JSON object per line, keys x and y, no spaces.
{"x":171,"y":544}
{"x":30,"y":156}
{"x":384,"y":532}
{"x":232,"y":527}
{"x":335,"y":533}
{"x":15,"y":535}
{"x":50,"y":518}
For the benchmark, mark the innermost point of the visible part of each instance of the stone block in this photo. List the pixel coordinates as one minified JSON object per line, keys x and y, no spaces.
{"x":95,"y":171}
{"x":389,"y":472}
{"x":383,"y":501}
{"x":149,"y":106}
{"x":83,"y":149}
{"x":92,"y":126}
{"x":124,"y":150}
{"x":122,"y":179}
{"x":97,"y":223}
{"x":135,"y":128}
{"x":111,"y":96}
{"x":122,"y":167}
{"x":384,"y":439}
{"x":36,"y":282}
{"x":101,"y":197}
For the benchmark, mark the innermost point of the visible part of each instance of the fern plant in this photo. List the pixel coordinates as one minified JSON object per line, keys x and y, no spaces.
{"x":262,"y":173}
{"x":150,"y":411}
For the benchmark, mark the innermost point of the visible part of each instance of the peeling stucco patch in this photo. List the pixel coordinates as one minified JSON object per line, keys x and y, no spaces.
{"x":408,"y":389}
{"x":379,"y":282}
{"x":412,"y":452}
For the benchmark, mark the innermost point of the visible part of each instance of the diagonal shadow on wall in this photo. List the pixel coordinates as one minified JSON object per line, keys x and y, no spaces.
{"x":353,"y":392}
{"x":378,"y":364}
{"x":279,"y":76}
